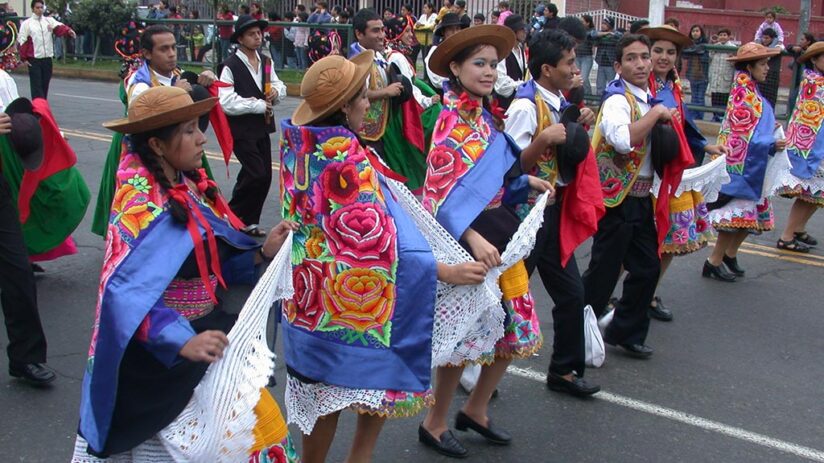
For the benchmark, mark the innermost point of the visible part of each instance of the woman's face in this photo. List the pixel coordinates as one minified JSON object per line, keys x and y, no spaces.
{"x":408,"y":37}
{"x":405,"y":12}
{"x":355,"y":110}
{"x":695,"y":33}
{"x":478,"y":73}
{"x":427,"y":10}
{"x":664,"y":55}
{"x":184,"y":150}
{"x":818,"y":63}
{"x":759,"y":69}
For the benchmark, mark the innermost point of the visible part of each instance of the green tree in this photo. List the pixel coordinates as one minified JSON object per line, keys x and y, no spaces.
{"x":104,"y":18}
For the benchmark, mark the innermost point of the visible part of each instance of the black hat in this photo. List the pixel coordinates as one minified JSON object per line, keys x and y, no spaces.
{"x":610,"y":21}
{"x":245,"y":22}
{"x":449,"y":19}
{"x":197,"y":93}
{"x":515,"y":22}
{"x":576,"y":147}
{"x":663,"y":146}
{"x":26,"y":135}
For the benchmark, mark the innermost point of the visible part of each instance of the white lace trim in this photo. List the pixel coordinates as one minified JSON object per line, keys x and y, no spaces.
{"x":813,"y":185}
{"x":305,"y":402}
{"x":734,"y":208}
{"x":778,"y":167}
{"x":707,"y":180}
{"x":217,"y":423}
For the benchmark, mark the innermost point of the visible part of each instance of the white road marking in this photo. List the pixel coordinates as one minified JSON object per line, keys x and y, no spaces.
{"x":692,"y":420}
{"x":67,"y":95}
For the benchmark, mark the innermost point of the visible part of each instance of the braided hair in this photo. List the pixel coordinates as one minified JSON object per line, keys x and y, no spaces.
{"x":140,"y":145}
{"x":456,"y":86}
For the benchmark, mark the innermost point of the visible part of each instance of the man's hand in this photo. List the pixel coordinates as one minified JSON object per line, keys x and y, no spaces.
{"x":268,"y":106}
{"x":436,"y":99}
{"x":206,"y":78}
{"x":664,"y":114}
{"x":206,"y":347}
{"x":577,"y":81}
{"x":716,"y":150}
{"x":555,"y":134}
{"x":587,"y":117}
{"x":272,"y":96}
{"x":393,"y":90}
{"x":184,"y":85}
{"x":5,"y":123}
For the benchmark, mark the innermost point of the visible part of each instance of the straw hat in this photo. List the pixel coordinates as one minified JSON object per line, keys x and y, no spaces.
{"x":668,"y":33}
{"x":160,"y":107}
{"x":753,"y":52}
{"x":812,"y":51}
{"x":329,"y":84}
{"x":500,"y":37}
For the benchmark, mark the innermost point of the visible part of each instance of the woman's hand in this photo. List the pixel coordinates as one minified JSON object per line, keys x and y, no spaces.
{"x":277,"y":235}
{"x":540,"y":185}
{"x":780,"y":145}
{"x":206,"y":347}
{"x":482,"y":250}
{"x":716,"y":150}
{"x":469,"y":273}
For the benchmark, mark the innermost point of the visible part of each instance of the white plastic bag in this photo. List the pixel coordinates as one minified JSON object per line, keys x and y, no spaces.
{"x":594,"y":343}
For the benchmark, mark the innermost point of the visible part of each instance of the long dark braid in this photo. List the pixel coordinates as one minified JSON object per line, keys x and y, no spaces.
{"x":140,"y":146}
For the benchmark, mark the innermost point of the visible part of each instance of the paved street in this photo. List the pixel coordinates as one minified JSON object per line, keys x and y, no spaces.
{"x":735,"y":378}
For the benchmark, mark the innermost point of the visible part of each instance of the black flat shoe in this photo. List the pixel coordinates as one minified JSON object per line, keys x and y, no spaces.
{"x":658,"y":311}
{"x":794,"y":245}
{"x":717,"y":272}
{"x":578,"y":387}
{"x":805,"y":238}
{"x":490,"y":433}
{"x":638,"y":351}
{"x":36,"y":268}
{"x":448,"y":445}
{"x":36,"y":374}
{"x":732,"y":264}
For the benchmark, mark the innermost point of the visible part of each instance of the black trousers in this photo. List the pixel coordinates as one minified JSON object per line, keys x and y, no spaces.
{"x":626,"y":236}
{"x":566,"y":289}
{"x":252,"y":186}
{"x":40,"y":74}
{"x":18,"y":293}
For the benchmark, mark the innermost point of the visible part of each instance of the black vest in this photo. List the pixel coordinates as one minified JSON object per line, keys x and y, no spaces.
{"x":248,"y":125}
{"x":515,"y":72}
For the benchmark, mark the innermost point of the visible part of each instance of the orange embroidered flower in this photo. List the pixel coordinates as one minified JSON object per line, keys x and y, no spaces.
{"x":132,"y":208}
{"x":474,"y":149}
{"x":315,"y":243}
{"x":334,"y":146}
{"x":460,"y":132}
{"x":357,"y":298}
{"x":368,"y":181}
{"x":810,"y":113}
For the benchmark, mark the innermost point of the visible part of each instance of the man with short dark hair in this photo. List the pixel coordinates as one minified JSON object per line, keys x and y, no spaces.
{"x":39,"y":32}
{"x":551,"y":16}
{"x":513,"y":70}
{"x":478,"y":19}
{"x":605,"y":39}
{"x":459,"y":8}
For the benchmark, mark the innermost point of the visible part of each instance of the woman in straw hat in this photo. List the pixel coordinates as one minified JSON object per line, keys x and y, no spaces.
{"x":358,"y":332}
{"x":805,"y":180}
{"x":171,"y":240}
{"x":689,"y":227}
{"x":748,"y":131}
{"x":472,"y":183}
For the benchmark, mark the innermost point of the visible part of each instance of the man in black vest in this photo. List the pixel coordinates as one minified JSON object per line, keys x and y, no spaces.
{"x":512,"y":71}
{"x":248,"y":106}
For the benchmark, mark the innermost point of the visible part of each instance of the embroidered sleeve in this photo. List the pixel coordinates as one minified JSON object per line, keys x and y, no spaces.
{"x":164,"y":332}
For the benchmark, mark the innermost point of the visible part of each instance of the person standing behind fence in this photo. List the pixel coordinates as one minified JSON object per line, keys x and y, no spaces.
{"x":583,"y":53}
{"x":697,"y":68}
{"x":770,"y":23}
{"x":722,"y":72}
{"x":769,"y":87}
{"x":224,"y":32}
{"x":36,"y":40}
{"x":605,"y":40}
{"x":807,"y":39}
{"x":424,"y":27}
{"x":301,"y":40}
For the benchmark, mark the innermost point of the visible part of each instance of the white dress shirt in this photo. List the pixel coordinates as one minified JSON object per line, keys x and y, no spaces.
{"x":41,"y":30}
{"x":437,"y":81}
{"x":234,"y":104}
{"x":427,"y":21}
{"x":8,"y":90}
{"x":522,"y":118}
{"x":505,"y":85}
{"x":406,"y":69}
{"x":135,"y":89}
{"x":616,"y":118}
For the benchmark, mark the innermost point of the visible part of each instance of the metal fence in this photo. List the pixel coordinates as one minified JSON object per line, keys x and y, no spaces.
{"x":622,"y":21}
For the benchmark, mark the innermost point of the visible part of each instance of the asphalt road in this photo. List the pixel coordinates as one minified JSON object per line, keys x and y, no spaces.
{"x":735,"y":378}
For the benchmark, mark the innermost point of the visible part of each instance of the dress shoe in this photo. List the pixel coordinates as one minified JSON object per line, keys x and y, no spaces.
{"x":732,"y":264}
{"x":447,"y":445}
{"x":639,"y":351}
{"x":658,"y":311}
{"x":36,"y":268}
{"x":37,"y":374}
{"x":490,"y":432}
{"x":577,"y":387}
{"x":717,"y":272}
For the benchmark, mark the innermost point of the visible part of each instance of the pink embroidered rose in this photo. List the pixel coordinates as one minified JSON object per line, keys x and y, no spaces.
{"x":361,"y":235}
{"x":742,"y":119}
{"x":443,"y":168}
{"x":307,"y":280}
{"x":737,"y":150}
{"x":443,"y":126}
{"x":800,"y":137}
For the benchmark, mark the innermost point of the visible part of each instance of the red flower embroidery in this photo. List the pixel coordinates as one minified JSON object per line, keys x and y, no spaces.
{"x":307,"y":280}
{"x":611,"y":188}
{"x":444,"y":167}
{"x":340,"y":182}
{"x":362,"y":235}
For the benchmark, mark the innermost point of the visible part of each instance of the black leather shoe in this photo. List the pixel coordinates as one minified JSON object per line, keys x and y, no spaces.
{"x":490,"y":433}
{"x":719,"y":273}
{"x":639,"y":351}
{"x":37,"y":374}
{"x":659,"y":312}
{"x":732,"y":264}
{"x":578,"y":387}
{"x":448,"y":445}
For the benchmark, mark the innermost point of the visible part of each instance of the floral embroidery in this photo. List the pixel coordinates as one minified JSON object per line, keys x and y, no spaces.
{"x":358,"y":299}
{"x":361,"y":235}
{"x":744,"y":109}
{"x":807,"y":117}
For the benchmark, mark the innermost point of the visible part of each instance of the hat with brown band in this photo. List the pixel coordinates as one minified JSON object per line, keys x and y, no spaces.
{"x":812,"y":51}
{"x":753,"y":52}
{"x":668,"y":33}
{"x":329,"y":84}
{"x":160,"y":107}
{"x":500,"y":37}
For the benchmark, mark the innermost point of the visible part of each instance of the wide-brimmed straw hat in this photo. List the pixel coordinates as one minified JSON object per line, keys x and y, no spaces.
{"x":668,"y":33}
{"x":753,"y":52}
{"x":500,"y":37}
{"x":329,"y":84}
{"x":812,"y":51}
{"x":160,"y":107}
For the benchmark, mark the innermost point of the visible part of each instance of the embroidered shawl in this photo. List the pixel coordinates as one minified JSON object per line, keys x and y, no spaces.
{"x":364,"y":277}
{"x":747,"y":130}
{"x":804,"y":145}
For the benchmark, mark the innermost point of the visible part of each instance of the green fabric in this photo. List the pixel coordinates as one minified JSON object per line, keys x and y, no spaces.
{"x":57,"y":207}
{"x":430,"y":115}
{"x":400,"y":155}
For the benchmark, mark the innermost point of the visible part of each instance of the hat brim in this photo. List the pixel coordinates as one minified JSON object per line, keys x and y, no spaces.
{"x":33,"y":159}
{"x":768,"y":53}
{"x":812,"y":51}
{"x":443,"y":25}
{"x":662,"y":33}
{"x":20,"y":105}
{"x":261,"y":23}
{"x":305,"y":115}
{"x":165,"y":119}
{"x":500,"y":37}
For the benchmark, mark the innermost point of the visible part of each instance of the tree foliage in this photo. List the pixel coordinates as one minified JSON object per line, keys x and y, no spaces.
{"x":102,"y":17}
